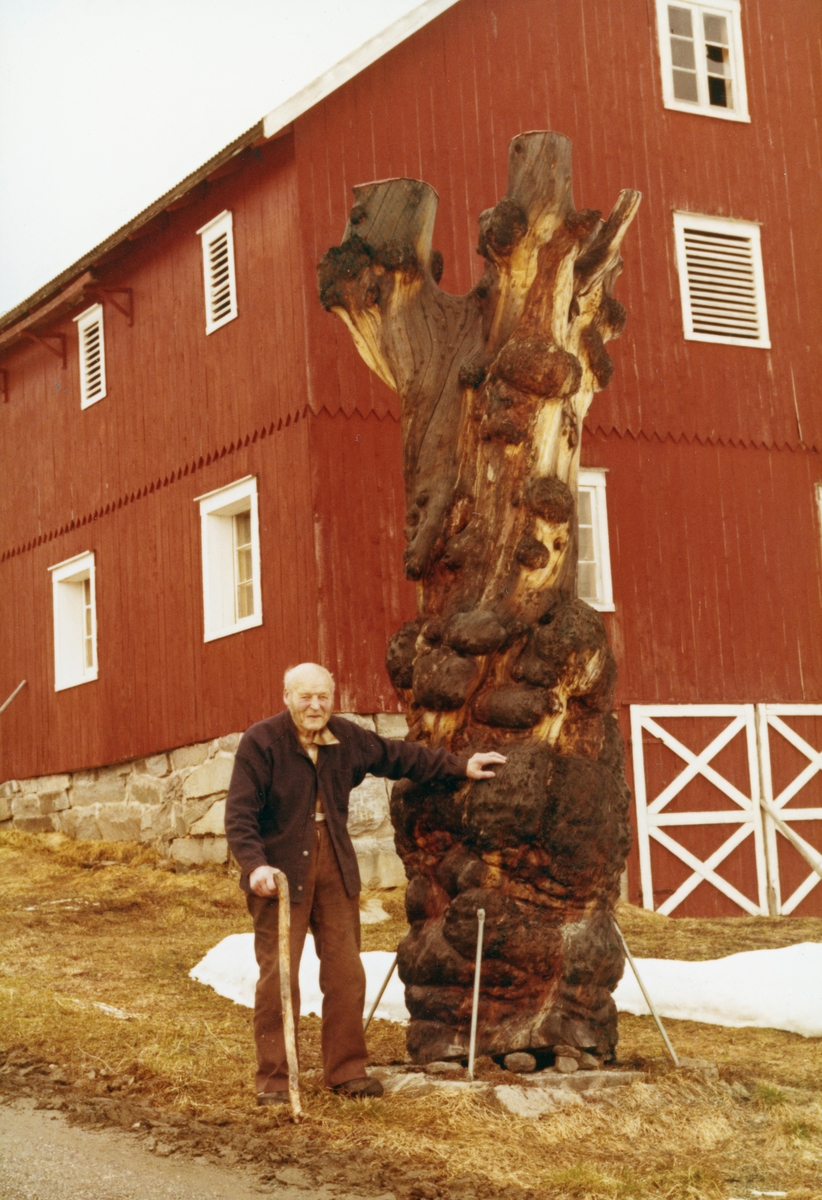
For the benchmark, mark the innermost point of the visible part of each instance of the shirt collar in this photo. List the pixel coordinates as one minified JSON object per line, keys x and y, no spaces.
{"x":323,"y":737}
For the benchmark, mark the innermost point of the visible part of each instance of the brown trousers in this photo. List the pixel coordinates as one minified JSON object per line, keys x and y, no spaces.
{"x":334,"y":919}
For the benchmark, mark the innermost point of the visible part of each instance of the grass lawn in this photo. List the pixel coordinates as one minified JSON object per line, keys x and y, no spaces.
{"x":96,"y":1005}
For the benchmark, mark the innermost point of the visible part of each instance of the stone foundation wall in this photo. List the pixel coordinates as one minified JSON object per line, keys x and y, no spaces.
{"x":176,"y":802}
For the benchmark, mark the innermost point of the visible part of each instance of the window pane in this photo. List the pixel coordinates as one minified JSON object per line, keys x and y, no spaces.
{"x":584,"y":507}
{"x":679,"y":21}
{"x":244,"y":566}
{"x":587,"y":581}
{"x":718,"y":93}
{"x":586,"y":543}
{"x":682,"y":54}
{"x":717,"y":61}
{"x":242,"y":527}
{"x":88,"y":650}
{"x":245,"y":600}
{"x":685,"y":86}
{"x":716,"y":29}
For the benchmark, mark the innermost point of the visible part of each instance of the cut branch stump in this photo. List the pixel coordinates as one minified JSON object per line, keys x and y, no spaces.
{"x":494,"y":387}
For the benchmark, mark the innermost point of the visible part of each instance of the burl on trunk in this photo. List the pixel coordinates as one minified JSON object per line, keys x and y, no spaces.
{"x":494,"y":387}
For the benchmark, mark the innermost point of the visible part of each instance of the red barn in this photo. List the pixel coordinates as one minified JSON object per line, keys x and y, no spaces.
{"x":203,"y":481}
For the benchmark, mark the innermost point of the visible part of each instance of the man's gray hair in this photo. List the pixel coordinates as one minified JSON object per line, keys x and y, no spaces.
{"x":292,"y":674}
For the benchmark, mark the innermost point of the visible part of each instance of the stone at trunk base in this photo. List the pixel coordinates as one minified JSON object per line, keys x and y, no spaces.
{"x":587,"y":1062}
{"x":520,"y":1062}
{"x":445,"y":1068}
{"x":565,"y":1064}
{"x":531,"y":1103}
{"x":702,"y":1066}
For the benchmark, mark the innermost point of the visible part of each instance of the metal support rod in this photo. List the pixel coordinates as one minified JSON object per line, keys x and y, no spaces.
{"x":373,"y":1008}
{"x":472,"y":1045}
{"x":648,"y":999}
{"x":799,"y":844}
{"x":6,"y":703}
{"x":289,"y":1032}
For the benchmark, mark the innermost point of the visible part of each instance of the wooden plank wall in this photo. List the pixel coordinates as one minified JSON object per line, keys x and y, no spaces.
{"x":591,"y":70}
{"x":362,"y":596}
{"x":716,"y":550}
{"x":184,"y":414}
{"x":159,"y":684}
{"x":716,"y":557}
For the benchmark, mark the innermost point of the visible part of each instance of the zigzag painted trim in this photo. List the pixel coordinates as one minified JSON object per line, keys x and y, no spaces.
{"x":700,"y":440}
{"x":156,"y":484}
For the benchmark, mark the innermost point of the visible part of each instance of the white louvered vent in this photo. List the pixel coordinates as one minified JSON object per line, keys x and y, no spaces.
{"x":721,"y":280}
{"x":218,"y":271}
{"x":92,"y":355}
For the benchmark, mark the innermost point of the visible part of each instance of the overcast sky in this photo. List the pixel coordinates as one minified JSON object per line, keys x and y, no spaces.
{"x":106,"y":104}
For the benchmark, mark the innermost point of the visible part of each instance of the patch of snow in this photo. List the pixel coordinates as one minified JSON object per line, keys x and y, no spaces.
{"x":776,"y":989}
{"x":771,"y":989}
{"x":230,"y":968}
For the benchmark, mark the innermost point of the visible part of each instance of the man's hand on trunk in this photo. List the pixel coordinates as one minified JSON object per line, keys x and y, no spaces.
{"x":478,"y":763}
{"x":262,"y":882}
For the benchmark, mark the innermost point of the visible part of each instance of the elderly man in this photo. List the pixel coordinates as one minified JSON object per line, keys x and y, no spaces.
{"x":287,"y":808}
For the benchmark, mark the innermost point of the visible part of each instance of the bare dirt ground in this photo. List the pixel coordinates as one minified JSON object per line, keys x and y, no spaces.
{"x":100,"y":1023}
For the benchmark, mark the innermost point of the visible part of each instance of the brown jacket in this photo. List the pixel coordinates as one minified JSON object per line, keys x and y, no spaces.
{"x":269,"y":814}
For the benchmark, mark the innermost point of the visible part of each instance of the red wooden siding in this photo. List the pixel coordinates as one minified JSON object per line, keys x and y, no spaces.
{"x":362,"y":597}
{"x":591,"y":70}
{"x":174,"y":395}
{"x":159,"y":684}
{"x":716,"y":556}
{"x":715,"y":538}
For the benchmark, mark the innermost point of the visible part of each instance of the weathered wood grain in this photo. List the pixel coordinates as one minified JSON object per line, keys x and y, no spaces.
{"x":494,"y":386}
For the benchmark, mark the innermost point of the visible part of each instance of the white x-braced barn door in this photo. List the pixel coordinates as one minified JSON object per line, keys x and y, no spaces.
{"x":763,"y":758}
{"x":688,"y":803}
{"x":791,"y":783}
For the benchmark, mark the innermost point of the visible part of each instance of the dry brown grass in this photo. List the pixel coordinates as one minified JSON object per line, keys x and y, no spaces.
{"x":126,"y":935}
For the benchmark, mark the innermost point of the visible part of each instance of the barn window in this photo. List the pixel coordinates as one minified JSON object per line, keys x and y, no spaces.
{"x":229,"y":526}
{"x":594,"y":562}
{"x":92,"y":355}
{"x":721,"y":280}
{"x":218,"y":271}
{"x":700,"y":47}
{"x":75,"y":621}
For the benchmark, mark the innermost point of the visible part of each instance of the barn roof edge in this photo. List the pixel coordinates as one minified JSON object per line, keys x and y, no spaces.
{"x":355,"y":62}
{"x":275,"y":123}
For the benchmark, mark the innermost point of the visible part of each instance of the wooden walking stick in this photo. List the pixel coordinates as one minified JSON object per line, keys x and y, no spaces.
{"x":284,"y":939}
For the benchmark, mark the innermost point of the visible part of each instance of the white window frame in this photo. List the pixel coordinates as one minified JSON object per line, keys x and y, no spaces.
{"x":217,"y":510}
{"x":68,"y":606}
{"x":731,"y":11}
{"x":721,"y":225}
{"x":222,"y":224}
{"x":592,"y":480}
{"x":91,"y":316}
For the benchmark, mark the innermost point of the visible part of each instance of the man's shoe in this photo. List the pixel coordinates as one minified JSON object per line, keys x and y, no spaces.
{"x":272,"y":1098}
{"x":358,"y":1089}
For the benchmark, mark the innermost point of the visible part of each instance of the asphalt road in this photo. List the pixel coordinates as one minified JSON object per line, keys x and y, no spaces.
{"x":42,"y":1157}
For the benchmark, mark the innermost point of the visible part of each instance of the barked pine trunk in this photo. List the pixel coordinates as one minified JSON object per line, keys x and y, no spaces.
{"x":494,"y":386}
